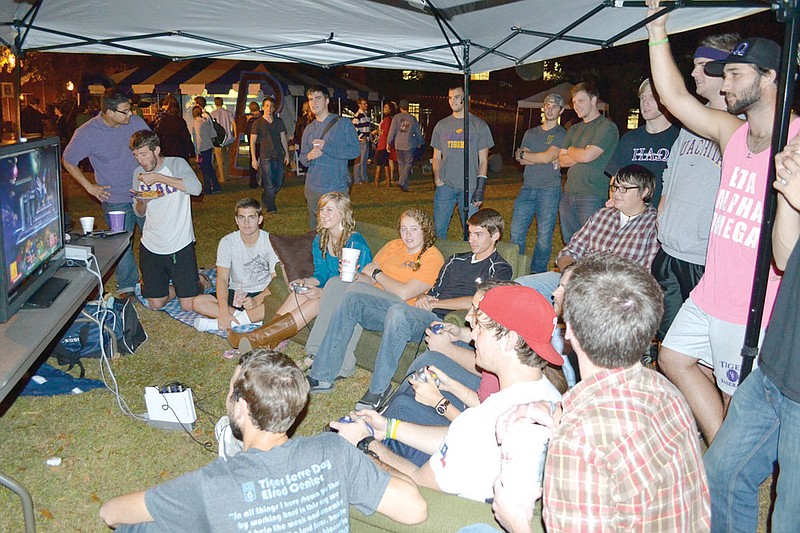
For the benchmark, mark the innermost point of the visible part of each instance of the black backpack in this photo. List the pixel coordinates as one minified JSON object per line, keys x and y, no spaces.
{"x":122,"y":333}
{"x":219,"y":133}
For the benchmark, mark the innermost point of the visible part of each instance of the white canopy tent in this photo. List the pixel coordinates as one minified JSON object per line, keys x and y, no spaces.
{"x":432,"y":35}
{"x":460,"y":36}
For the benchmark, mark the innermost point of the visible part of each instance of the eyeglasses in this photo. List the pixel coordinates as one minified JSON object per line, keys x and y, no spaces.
{"x":123,"y":111}
{"x":621,"y":188}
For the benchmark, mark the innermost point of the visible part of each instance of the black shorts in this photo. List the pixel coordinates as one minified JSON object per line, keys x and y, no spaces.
{"x":232,"y":293}
{"x":677,"y":278}
{"x":382,"y":158}
{"x":158,"y":270}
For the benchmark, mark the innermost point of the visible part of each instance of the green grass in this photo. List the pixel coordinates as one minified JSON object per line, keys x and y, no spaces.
{"x":105,"y":453}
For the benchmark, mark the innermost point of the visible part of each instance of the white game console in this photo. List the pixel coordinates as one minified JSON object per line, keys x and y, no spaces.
{"x":170,"y":410}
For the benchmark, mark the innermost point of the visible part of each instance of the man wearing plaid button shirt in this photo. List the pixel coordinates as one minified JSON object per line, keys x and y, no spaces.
{"x":628,"y":229}
{"x":624,"y":455}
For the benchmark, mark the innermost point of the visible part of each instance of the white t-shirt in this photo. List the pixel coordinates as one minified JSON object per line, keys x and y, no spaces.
{"x":468,"y":461}
{"x":168,"y":223}
{"x":251,"y":269}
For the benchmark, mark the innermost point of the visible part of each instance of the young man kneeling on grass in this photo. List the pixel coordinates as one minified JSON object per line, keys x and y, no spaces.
{"x":291,"y":484}
{"x":512,"y":330}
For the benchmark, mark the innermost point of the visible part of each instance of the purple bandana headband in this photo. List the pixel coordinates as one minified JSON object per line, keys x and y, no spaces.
{"x":710,"y":53}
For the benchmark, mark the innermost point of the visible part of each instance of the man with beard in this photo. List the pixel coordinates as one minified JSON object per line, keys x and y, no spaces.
{"x":295,"y":484}
{"x":709,"y":328}
{"x":163,"y":186}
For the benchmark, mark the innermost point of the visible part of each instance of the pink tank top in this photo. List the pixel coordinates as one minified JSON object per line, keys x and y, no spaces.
{"x":724,"y":290}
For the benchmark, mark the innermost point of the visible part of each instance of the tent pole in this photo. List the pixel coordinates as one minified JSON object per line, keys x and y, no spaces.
{"x":465,"y":213}
{"x":514,"y":144}
{"x":780,"y":134}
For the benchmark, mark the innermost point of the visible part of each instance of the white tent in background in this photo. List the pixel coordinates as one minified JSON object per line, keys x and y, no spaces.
{"x":537,"y":102}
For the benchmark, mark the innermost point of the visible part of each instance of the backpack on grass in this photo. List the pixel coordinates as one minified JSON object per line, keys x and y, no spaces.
{"x":122,"y":333}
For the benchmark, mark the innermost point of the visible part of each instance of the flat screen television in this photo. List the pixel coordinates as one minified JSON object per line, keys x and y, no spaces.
{"x":32,"y":236}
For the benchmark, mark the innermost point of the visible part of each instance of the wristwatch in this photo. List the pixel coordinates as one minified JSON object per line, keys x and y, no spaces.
{"x":375,"y":273}
{"x":441,"y":407}
{"x":364,"y":443}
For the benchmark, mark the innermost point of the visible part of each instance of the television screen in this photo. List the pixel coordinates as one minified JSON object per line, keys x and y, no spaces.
{"x":32,"y":221}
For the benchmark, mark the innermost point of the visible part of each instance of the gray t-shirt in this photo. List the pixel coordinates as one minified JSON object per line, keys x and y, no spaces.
{"x":690,"y":185}
{"x":306,"y":484}
{"x":448,"y":138}
{"x":537,"y":140}
{"x":404,"y":132}
{"x":250,"y":268}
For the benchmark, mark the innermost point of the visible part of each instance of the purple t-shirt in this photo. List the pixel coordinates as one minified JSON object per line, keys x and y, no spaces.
{"x":109,"y":152}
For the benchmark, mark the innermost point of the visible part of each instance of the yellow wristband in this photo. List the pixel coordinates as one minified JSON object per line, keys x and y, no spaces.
{"x":665,"y":40}
{"x":395,"y":425}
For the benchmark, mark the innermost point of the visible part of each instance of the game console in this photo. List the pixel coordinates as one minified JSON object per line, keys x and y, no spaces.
{"x":171,"y":407}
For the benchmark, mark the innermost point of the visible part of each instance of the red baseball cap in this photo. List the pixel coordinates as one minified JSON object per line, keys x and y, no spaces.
{"x":526,"y":312}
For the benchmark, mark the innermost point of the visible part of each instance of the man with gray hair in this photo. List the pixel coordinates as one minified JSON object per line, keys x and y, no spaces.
{"x":648,"y":145}
{"x":541,"y":185}
{"x":295,"y":484}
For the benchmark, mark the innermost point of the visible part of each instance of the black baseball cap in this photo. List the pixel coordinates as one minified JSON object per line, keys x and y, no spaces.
{"x":758,"y":51}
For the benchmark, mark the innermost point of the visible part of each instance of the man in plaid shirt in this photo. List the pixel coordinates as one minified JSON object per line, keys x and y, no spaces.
{"x":628,"y":229}
{"x":624,"y":455}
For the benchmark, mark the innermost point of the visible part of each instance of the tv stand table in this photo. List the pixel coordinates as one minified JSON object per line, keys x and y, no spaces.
{"x":27,"y":335}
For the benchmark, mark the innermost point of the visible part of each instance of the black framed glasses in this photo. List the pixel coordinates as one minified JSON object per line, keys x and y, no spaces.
{"x":124,"y":111}
{"x":621,"y":188}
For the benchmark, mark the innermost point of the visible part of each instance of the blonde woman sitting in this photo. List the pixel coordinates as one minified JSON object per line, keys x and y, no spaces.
{"x":335,"y":230}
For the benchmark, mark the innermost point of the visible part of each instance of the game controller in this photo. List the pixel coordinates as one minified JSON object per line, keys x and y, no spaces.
{"x":419,"y":375}
{"x":300,"y":288}
{"x":437,"y":328}
{"x":347,"y":420}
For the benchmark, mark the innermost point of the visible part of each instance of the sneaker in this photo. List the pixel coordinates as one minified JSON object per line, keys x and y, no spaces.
{"x":319,"y":386}
{"x":373,"y":401}
{"x":205,"y":324}
{"x":228,"y":444}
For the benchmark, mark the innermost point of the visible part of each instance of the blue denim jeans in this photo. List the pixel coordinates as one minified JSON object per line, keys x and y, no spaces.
{"x":210,"y":183}
{"x":404,"y":407}
{"x":575,"y":210}
{"x":360,"y":166}
{"x":403,"y":323}
{"x":543,"y":204}
{"x":444,"y":200}
{"x":405,"y":160}
{"x":762,"y":426}
{"x":127,"y":273}
{"x":544,"y":283}
{"x":270,"y":174}
{"x":360,"y":304}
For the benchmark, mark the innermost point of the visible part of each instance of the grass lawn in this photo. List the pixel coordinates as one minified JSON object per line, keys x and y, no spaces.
{"x":106,"y":453}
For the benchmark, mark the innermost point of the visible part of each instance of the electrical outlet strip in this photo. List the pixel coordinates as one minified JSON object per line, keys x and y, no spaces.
{"x":170,"y":410}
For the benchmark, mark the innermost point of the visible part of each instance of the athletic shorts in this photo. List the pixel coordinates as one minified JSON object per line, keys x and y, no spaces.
{"x":716,"y":343}
{"x":158,"y":270}
{"x":382,"y":158}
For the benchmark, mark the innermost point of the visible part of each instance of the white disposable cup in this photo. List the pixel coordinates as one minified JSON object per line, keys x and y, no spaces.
{"x":87,"y":224}
{"x":349,"y":263}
